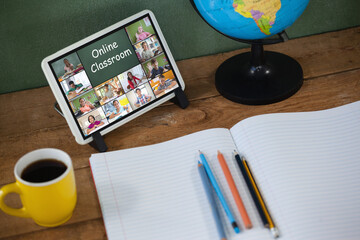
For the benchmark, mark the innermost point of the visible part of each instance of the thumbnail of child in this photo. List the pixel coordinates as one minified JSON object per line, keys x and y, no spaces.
{"x":148,"y":48}
{"x":67,"y":66}
{"x":164,"y":83}
{"x":76,"y":85}
{"x":140,"y":96}
{"x":93,"y":121}
{"x":140,"y":30}
{"x":132,"y":78}
{"x":85,"y":103}
{"x":117,"y":108}
{"x":109,"y":90}
{"x":156,"y":66}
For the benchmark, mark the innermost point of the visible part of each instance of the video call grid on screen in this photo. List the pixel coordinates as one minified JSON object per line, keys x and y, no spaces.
{"x":115,"y":75}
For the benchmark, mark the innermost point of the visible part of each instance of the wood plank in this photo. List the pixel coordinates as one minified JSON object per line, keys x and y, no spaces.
{"x":32,"y":110}
{"x":89,"y":230}
{"x":202,"y":114}
{"x":323,"y":92}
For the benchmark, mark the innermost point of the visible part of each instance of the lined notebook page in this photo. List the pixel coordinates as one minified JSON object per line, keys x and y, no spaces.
{"x":155,"y":192}
{"x":308,"y":168}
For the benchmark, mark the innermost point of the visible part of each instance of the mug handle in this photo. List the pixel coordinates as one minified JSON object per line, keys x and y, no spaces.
{"x":5,"y":190}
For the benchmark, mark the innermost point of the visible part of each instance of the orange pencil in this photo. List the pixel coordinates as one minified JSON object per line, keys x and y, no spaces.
{"x":234,"y":191}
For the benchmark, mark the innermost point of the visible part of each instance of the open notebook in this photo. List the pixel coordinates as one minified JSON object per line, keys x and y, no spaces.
{"x":306,"y":165}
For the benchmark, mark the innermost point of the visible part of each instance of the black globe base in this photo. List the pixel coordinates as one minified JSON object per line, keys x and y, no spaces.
{"x":258,"y":77}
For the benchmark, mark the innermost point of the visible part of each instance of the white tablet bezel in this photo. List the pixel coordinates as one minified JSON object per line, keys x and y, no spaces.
{"x":68,"y":115}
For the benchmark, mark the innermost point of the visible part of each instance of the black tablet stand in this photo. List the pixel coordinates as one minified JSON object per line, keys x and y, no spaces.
{"x":180,"y":98}
{"x":98,"y":142}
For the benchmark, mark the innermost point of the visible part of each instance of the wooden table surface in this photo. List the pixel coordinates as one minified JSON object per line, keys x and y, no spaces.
{"x":331,"y":65}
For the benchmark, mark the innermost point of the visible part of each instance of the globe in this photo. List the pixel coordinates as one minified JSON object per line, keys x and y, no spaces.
{"x":250,"y":19}
{"x":257,"y":77}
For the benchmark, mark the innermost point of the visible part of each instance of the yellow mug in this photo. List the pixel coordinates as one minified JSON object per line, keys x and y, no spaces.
{"x":49,"y":203}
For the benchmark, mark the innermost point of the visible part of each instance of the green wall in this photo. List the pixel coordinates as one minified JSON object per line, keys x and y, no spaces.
{"x":32,"y":30}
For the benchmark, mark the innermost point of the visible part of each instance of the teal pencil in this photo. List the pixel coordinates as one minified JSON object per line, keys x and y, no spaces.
{"x":219,"y":193}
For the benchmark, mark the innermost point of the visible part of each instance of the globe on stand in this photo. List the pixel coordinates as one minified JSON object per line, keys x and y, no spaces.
{"x":256,"y":77}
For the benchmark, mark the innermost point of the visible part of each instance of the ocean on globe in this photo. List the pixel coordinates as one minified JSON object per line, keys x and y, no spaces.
{"x":250,"y":19}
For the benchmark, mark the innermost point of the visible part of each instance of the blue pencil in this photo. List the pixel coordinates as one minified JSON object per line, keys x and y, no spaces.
{"x":210,"y":197}
{"x":219,"y":193}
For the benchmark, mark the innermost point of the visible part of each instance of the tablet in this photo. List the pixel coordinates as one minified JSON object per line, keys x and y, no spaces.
{"x":113,"y":76}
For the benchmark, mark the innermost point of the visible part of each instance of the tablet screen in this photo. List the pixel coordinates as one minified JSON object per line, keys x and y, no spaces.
{"x":115,"y":75}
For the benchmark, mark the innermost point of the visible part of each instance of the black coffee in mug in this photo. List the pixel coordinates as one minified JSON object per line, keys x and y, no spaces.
{"x":43,"y":170}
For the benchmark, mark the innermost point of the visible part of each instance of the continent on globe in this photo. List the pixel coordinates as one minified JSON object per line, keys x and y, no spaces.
{"x":262,"y":12}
